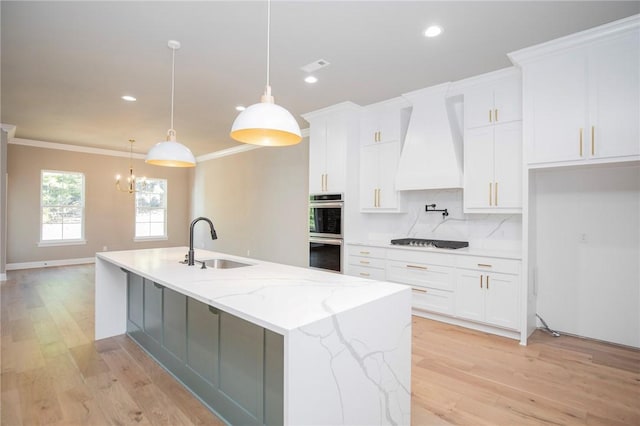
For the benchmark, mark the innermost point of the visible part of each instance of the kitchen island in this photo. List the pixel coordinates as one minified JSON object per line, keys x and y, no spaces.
{"x":265,"y":343}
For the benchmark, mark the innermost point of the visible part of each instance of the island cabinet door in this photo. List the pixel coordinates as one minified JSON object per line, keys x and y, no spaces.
{"x":174,"y":323}
{"x":134,"y":302}
{"x":202,"y":340}
{"x":153,"y":310}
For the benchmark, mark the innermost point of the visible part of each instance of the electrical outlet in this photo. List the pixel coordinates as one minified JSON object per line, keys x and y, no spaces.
{"x":105,"y":248}
{"x":584,"y":239}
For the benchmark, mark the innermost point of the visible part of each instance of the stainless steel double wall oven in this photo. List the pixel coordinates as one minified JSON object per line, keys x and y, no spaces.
{"x":326,"y":214}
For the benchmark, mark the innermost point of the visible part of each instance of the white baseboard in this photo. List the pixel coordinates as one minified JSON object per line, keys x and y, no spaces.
{"x":49,"y":263}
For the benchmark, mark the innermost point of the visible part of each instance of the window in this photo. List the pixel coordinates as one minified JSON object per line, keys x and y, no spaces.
{"x":151,"y":209}
{"x":61,"y":207}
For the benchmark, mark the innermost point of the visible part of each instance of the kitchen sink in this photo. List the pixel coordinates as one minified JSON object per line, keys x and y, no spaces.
{"x":222,"y":263}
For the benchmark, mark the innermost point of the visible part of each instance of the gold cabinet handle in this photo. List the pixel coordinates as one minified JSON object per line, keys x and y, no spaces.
{"x":487,"y":282}
{"x":424,"y":268}
{"x":365,"y":252}
{"x":490,"y":191}
{"x":364,"y":274}
{"x":495,"y":197}
{"x":580,"y":141}
{"x":495,"y":114}
{"x":326,"y":182}
{"x":485,"y":265}
{"x":593,"y":140}
{"x":480,"y":281}
{"x":418,"y":290}
{"x":364,"y":262}
{"x":490,"y":120}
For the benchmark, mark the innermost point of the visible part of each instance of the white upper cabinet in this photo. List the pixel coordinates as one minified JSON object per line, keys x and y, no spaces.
{"x":582,"y":97}
{"x":333,"y":132}
{"x":496,"y":99}
{"x":383,"y":122}
{"x":493,"y":169}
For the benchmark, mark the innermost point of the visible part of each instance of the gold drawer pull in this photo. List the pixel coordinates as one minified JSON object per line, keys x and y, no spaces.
{"x":419,"y":290}
{"x":424,"y":268}
{"x":365,"y":252}
{"x":364,"y":262}
{"x":480,"y":281}
{"x":485,"y":265}
{"x":490,"y":121}
{"x":593,"y":140}
{"x":580,"y":141}
{"x":364,"y":274}
{"x":495,"y":114}
{"x":487,"y":282}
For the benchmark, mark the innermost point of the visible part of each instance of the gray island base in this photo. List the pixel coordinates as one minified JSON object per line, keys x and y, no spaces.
{"x":266,"y":343}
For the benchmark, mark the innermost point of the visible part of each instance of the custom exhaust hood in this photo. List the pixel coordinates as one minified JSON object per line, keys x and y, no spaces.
{"x":432,"y":154}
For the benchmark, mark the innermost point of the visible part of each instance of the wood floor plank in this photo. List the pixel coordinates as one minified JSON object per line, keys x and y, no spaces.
{"x":38,"y":400}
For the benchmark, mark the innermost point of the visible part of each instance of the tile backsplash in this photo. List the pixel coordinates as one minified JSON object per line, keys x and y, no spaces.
{"x":491,"y":231}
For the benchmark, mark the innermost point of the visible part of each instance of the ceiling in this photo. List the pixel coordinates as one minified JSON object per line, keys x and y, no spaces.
{"x":65,"y":65}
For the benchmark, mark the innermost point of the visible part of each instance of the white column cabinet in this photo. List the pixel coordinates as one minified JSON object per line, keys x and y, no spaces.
{"x":584,"y":103}
{"x":493,"y":169}
{"x":331,"y":130}
{"x":378,"y":166}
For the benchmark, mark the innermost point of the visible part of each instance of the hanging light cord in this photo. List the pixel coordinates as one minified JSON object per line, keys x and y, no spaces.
{"x":268,"y":39}
{"x":173,"y":77}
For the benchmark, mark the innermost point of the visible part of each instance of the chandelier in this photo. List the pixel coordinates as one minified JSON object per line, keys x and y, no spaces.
{"x":131,"y":179}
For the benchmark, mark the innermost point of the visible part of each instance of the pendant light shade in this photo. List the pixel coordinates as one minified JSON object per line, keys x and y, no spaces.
{"x":266,"y":123}
{"x":171,"y":153}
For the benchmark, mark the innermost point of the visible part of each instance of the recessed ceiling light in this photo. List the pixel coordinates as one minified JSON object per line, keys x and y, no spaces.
{"x":240,"y":108}
{"x":311,"y":79}
{"x":433,"y":31}
{"x":129,"y":98}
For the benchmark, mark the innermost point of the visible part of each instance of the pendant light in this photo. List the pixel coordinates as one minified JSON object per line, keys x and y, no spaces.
{"x":266,"y":123}
{"x":171,"y":153}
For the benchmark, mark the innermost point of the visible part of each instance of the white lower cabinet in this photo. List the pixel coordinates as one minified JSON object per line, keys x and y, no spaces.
{"x":489,"y":292}
{"x":473,"y":291}
{"x":366,"y":262}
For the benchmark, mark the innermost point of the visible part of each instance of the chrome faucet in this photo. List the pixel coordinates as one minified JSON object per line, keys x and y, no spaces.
{"x":214,"y":236}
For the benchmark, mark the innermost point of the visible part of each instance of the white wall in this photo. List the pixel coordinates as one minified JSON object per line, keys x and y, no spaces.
{"x":588,"y":251}
{"x":258,"y":203}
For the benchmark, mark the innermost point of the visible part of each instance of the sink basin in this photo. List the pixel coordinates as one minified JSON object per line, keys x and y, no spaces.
{"x":223,"y":263}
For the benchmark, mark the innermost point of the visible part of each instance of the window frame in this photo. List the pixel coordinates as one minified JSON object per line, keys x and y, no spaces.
{"x":63,"y":241}
{"x":165,"y":208}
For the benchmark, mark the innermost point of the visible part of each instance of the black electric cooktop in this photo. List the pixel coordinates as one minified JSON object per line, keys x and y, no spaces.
{"x":418,"y":242}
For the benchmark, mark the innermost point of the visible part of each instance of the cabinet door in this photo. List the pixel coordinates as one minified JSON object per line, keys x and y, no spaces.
{"x":317,"y":155}
{"x":135,"y":295}
{"x":242,"y":363}
{"x":389,"y":120}
{"x":470,"y":293}
{"x":369,"y":127}
{"x":507,"y":155}
{"x":501,"y":300}
{"x":614,"y":97}
{"x":478,"y":106}
{"x":389,"y":156}
{"x":368,"y":176}
{"x":336,"y":155}
{"x":507,"y":100}
{"x":174,"y":323}
{"x":202,"y":340}
{"x":557,"y":91}
{"x":478,"y":168}
{"x":153,"y":310}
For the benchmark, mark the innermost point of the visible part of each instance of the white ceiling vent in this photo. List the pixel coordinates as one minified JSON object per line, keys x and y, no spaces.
{"x":315,"y":65}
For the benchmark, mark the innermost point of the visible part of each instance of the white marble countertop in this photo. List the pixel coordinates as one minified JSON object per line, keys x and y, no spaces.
{"x":278,"y":297}
{"x":467,"y":251}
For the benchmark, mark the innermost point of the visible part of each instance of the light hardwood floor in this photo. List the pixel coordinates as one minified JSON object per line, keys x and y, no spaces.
{"x":54,"y":373}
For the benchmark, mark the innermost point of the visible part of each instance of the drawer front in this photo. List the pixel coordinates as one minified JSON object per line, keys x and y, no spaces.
{"x":420,"y":274}
{"x":367,"y":251}
{"x":367,"y":262}
{"x":432,"y":300}
{"x":415,"y":256}
{"x":364,"y":272}
{"x":489,"y":264}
